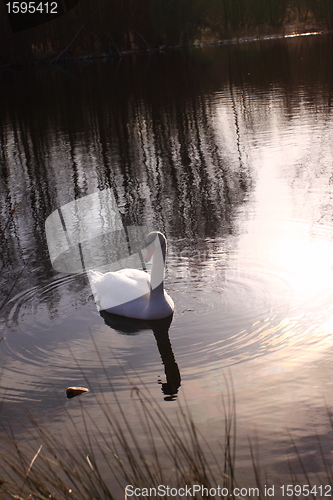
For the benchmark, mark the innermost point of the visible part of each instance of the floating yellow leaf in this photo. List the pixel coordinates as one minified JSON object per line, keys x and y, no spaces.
{"x":71,"y":392}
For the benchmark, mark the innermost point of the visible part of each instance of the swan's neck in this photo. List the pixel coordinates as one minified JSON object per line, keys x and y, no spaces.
{"x":157,"y":271}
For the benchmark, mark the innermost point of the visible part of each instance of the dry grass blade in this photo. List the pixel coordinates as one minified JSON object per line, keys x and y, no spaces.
{"x":57,"y":472}
{"x":33,"y":460}
{"x":157,"y":450}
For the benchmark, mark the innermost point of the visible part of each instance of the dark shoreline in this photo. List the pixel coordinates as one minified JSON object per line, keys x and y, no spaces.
{"x":313,"y":31}
{"x":110,"y":29}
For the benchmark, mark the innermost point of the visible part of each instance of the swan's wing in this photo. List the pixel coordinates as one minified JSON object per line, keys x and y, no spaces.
{"x":115,"y":288}
{"x":94,"y":276}
{"x":136,"y":275}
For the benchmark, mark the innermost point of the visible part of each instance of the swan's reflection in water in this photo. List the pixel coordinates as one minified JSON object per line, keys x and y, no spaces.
{"x":160,"y":328}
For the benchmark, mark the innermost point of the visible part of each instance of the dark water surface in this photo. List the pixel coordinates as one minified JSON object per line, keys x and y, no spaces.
{"x":229,"y":152}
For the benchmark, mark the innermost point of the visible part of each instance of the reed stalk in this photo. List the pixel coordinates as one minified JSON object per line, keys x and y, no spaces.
{"x":155,"y":452}
{"x":87,"y":463}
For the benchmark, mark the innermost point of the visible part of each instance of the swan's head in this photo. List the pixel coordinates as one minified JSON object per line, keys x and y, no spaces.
{"x":154,"y":240}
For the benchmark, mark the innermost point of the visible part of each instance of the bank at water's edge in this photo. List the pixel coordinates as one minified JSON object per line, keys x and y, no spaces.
{"x":112,"y":28}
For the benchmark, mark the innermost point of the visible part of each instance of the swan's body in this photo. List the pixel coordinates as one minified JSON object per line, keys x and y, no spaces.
{"x":133,"y":293}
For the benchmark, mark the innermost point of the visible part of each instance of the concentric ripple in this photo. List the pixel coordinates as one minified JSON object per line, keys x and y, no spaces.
{"x":253,"y":311}
{"x":230,"y":308}
{"x":51,"y":296}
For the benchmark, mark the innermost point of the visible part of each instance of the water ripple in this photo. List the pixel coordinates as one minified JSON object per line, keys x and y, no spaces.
{"x":251,"y":313}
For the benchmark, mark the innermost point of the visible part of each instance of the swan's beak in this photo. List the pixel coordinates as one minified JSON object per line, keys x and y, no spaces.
{"x":149,"y":252}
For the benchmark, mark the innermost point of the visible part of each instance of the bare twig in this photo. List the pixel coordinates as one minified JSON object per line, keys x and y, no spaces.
{"x":56,"y":59}
{"x":11,"y":212}
{"x":139,"y":34}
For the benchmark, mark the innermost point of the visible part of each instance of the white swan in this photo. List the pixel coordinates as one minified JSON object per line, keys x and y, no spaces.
{"x":133,"y":293}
